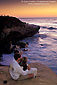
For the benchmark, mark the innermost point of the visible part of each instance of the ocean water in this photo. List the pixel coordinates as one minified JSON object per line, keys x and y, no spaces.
{"x":43,"y":46}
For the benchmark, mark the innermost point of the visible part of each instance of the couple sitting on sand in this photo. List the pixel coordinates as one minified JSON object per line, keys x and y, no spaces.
{"x":19,"y":67}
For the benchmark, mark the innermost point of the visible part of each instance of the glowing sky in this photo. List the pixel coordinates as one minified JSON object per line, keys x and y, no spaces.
{"x":29,"y":8}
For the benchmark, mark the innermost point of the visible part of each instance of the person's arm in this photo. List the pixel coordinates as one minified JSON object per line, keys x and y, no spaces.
{"x":28,"y":67}
{"x":20,"y":70}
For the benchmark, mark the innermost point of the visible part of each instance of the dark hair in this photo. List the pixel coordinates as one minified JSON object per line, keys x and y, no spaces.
{"x":27,"y":43}
{"x":16,"y":56}
{"x":23,"y":62}
{"x":16,"y":51}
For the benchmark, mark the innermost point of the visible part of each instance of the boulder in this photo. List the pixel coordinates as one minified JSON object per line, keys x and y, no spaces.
{"x":12,"y":29}
{"x":22,"y":44}
{"x":52,"y":28}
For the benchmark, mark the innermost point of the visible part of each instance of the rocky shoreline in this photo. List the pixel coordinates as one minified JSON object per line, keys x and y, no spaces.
{"x":13,"y":30}
{"x":45,"y":76}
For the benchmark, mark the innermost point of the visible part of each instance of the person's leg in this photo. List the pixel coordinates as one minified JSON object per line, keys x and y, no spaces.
{"x":30,"y":75}
{"x":32,"y":72}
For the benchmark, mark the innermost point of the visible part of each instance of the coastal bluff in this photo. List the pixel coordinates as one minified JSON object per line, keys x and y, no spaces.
{"x":45,"y":76}
{"x":12,"y":30}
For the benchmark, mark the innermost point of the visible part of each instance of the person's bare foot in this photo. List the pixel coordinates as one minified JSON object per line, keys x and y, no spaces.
{"x":30,"y":75}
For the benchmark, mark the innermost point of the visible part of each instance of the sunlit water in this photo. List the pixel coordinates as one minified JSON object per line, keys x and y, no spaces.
{"x":43,"y":46}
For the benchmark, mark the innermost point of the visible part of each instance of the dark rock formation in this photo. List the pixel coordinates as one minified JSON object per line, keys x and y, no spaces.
{"x":13,"y":30}
{"x":51,"y":28}
{"x":22,"y":44}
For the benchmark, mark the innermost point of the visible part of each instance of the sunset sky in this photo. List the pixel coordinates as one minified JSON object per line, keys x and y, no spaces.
{"x":29,"y":8}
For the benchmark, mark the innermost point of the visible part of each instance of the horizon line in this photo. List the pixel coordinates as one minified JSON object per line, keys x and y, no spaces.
{"x":36,"y":17}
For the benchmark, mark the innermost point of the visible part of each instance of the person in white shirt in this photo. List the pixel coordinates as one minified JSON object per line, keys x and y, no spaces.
{"x":16,"y":70}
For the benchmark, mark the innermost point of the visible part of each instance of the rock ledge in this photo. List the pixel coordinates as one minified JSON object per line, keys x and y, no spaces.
{"x":45,"y":76}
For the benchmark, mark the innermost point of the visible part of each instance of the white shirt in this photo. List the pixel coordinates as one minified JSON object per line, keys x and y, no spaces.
{"x":16,"y":70}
